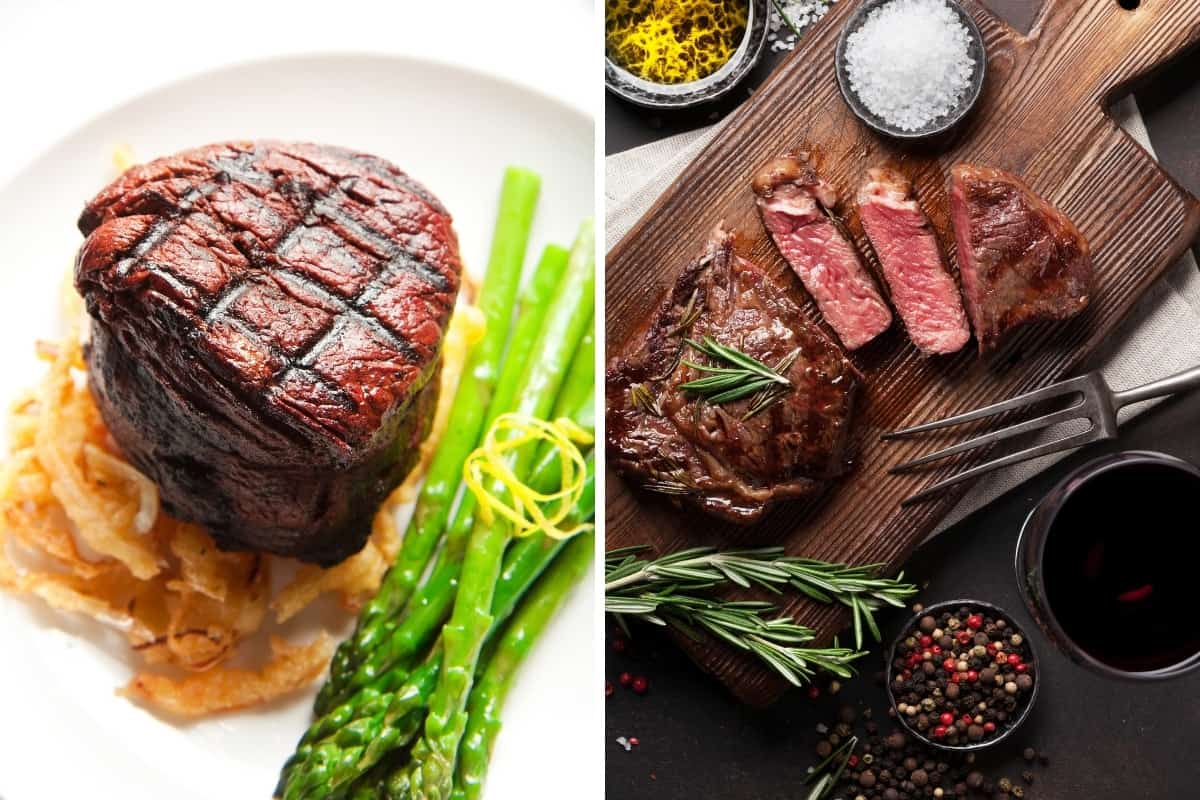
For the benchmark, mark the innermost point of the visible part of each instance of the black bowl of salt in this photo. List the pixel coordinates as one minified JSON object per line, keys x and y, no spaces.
{"x":911,"y":69}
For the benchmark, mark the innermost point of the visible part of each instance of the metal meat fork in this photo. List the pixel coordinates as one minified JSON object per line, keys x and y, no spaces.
{"x":1097,"y":403}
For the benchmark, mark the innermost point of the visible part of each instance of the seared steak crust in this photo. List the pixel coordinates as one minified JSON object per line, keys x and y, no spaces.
{"x":713,"y":456}
{"x":267,"y":324}
{"x":1020,"y":258}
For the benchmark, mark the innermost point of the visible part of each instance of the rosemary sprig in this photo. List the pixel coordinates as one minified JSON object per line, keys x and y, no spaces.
{"x":859,"y":588}
{"x":665,"y":485}
{"x":742,"y":376}
{"x":643,"y":398}
{"x":744,"y":624}
{"x":827,"y":778}
{"x":786,"y":20}
{"x":773,"y":393}
{"x":687,"y":317}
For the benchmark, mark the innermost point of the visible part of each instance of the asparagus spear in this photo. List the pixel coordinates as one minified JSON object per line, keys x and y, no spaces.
{"x":404,"y":640}
{"x":518,"y":198}
{"x":522,"y":563}
{"x":491,"y":689}
{"x":341,"y":747}
{"x":371,"y":786}
{"x":531,"y":312}
{"x":432,"y":773}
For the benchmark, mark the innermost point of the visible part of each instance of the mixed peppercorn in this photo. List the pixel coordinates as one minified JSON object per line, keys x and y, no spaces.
{"x":961,"y":676}
{"x":899,"y":767}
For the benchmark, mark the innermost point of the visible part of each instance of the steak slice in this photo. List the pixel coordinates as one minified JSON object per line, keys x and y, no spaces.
{"x":795,"y":205}
{"x":715,"y":456}
{"x":1020,"y":258}
{"x":267,"y":322}
{"x":922,"y":289}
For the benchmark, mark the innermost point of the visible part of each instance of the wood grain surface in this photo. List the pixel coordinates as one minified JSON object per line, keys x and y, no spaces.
{"x":1042,"y":117}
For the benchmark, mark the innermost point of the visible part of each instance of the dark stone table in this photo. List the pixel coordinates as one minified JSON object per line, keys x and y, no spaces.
{"x":1105,"y":740}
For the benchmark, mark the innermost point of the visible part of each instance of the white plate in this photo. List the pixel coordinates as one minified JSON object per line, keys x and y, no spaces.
{"x":63,"y":732}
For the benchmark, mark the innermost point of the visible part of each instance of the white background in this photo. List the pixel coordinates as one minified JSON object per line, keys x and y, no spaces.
{"x":66,"y":61}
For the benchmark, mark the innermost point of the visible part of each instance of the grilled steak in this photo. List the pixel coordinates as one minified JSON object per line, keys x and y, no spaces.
{"x":1020,"y":258}
{"x":718,"y":457}
{"x":267,"y":325}
{"x":795,"y":205}
{"x":922,"y":290}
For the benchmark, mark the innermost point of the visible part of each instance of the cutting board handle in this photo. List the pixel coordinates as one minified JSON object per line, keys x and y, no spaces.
{"x":1108,"y":45}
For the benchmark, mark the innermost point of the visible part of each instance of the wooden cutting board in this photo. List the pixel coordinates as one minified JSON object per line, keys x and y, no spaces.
{"x":1042,"y":117}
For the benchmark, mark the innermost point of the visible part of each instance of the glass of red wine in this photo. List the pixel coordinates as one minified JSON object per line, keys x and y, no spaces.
{"x":1109,"y":566}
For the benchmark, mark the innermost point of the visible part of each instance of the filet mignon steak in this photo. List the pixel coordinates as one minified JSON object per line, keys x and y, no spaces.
{"x":1020,"y":258}
{"x":267,"y":322}
{"x":717,"y":457}
{"x":795,"y":204}
{"x":923,"y":291}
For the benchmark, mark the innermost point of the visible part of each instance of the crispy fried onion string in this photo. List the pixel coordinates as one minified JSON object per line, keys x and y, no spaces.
{"x":82,"y":530}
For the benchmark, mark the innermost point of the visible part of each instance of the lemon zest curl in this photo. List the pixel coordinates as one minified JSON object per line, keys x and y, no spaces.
{"x":489,"y":475}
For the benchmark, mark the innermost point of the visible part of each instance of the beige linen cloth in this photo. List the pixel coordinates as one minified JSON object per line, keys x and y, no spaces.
{"x":1161,"y":336}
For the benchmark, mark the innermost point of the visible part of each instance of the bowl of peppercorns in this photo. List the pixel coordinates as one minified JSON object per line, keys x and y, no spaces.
{"x":961,"y":675}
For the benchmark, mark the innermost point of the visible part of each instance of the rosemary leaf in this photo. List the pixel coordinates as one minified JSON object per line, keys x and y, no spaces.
{"x":669,"y":590}
{"x":736,"y":375}
{"x":643,"y":398}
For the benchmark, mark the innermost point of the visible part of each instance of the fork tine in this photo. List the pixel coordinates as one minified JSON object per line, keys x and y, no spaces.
{"x":1045,"y":393}
{"x":1034,"y":424}
{"x":1092,"y":434}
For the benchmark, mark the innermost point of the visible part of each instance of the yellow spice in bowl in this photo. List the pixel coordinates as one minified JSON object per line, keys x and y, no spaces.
{"x":673,"y":41}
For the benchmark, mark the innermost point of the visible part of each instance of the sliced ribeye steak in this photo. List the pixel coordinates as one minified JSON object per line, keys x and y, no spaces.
{"x":721,"y":457}
{"x":796,"y":205}
{"x":266,"y":335}
{"x":922,"y":289}
{"x":1020,"y":258}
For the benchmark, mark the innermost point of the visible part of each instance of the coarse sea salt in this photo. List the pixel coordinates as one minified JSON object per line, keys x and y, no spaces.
{"x":799,"y":15}
{"x":910,"y":62}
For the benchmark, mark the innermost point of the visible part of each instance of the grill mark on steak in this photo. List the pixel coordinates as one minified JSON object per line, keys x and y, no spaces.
{"x":313,"y":206}
{"x":344,"y":312}
{"x":267,"y":328}
{"x":180,"y":211}
{"x":922,"y":289}
{"x":715,"y":457}
{"x":396,"y":256}
{"x":796,"y":205}
{"x":1021,"y":259}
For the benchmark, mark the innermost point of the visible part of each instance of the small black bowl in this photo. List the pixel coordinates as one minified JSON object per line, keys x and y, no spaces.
{"x":638,"y":91}
{"x":1012,"y":724}
{"x":938,"y":126}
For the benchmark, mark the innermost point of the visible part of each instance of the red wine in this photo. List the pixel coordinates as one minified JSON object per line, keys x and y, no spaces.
{"x":1121,"y":567}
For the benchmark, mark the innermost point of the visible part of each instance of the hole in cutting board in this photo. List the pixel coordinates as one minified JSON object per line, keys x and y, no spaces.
{"x":1129,"y":5}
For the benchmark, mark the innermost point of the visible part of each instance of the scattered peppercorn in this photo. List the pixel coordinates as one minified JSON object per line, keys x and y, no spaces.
{"x":640,"y":685}
{"x":899,"y":767}
{"x":608,"y":688}
{"x":624,"y":679}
